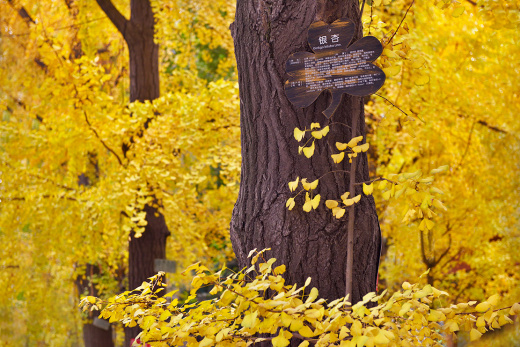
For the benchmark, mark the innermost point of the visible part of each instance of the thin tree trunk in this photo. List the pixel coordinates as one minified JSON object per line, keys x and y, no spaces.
{"x":93,"y":336}
{"x":138,"y":33}
{"x":309,"y":244}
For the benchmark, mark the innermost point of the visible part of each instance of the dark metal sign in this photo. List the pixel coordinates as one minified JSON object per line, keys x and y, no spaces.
{"x":334,"y":65}
{"x":101,"y":323}
{"x":165,"y":265}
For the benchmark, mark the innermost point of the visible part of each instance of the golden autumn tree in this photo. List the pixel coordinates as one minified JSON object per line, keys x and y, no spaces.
{"x":80,"y":163}
{"x":457,"y":108}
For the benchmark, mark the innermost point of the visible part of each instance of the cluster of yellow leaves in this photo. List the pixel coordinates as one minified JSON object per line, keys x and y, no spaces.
{"x":337,"y":210}
{"x":69,"y":196}
{"x":310,"y":203}
{"x":465,"y":117}
{"x":398,"y":54}
{"x":353,"y":148}
{"x":257,"y":301}
{"x":308,"y":151}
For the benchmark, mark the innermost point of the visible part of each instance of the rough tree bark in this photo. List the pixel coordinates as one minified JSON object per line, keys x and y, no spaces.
{"x":138,"y":32}
{"x":312,"y":244}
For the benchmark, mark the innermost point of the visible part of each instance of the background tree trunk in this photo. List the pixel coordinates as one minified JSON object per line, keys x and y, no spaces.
{"x":309,"y":244}
{"x":138,"y":33}
{"x":93,"y":336}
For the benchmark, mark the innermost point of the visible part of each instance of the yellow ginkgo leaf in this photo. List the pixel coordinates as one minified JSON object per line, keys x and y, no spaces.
{"x":206,"y":342}
{"x":331,"y":203}
{"x":344,"y":195}
{"x":458,"y":11}
{"x":338,"y":158}
{"x":307,"y":207}
{"x":364,"y":147}
{"x":422,"y":80}
{"x":474,"y":334}
{"x":309,"y":151}
{"x":290,"y":203}
{"x":353,"y":142}
{"x":348,"y":202}
{"x":298,"y":134}
{"x":338,"y":212}
{"x":481,"y":322}
{"x":314,"y":184}
{"x":440,"y":169}
{"x":317,"y":134}
{"x":249,"y":320}
{"x":436,"y":316}
{"x":356,"y":198}
{"x":306,"y":332}
{"x":381,"y":339}
{"x":368,"y":189}
{"x":483,"y":307}
{"x":341,"y":146}
{"x":294,"y":184}
{"x":515,"y":309}
{"x":418,"y":62}
{"x":316,"y":201}
{"x":306,"y":185}
{"x":325,"y":131}
{"x":392,"y":70}
{"x":280,"y":340}
{"x":389,"y":53}
{"x":356,"y":328}
{"x":315,"y":126}
{"x":439,"y":205}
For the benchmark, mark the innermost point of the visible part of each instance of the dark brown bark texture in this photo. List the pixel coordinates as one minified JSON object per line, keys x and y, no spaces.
{"x":138,"y":32}
{"x":92,"y":335}
{"x":144,"y":85}
{"x":309,"y":244}
{"x":141,"y":255}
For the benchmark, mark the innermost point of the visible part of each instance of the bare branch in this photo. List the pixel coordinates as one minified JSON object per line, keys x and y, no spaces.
{"x":114,"y":15}
{"x":22,"y":12}
{"x":100,"y":139}
{"x":468,"y":143}
{"x":402,"y":20}
{"x":491,"y":127}
{"x":438,"y":260}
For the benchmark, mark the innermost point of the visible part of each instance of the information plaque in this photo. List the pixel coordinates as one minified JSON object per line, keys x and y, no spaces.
{"x":165,"y":265}
{"x":334,"y":65}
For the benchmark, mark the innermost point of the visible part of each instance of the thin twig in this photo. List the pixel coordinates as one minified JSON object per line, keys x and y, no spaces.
{"x":397,"y":107}
{"x":361,"y":16}
{"x":57,"y":29}
{"x":351,"y":215}
{"x":101,"y":140}
{"x":375,"y":180}
{"x":467,"y":145}
{"x":402,"y":20}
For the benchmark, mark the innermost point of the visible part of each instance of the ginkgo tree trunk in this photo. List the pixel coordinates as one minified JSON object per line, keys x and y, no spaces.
{"x":310,"y":244}
{"x":138,"y":32}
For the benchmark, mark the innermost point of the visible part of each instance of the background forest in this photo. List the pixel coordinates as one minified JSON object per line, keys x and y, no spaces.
{"x":79,"y":161}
